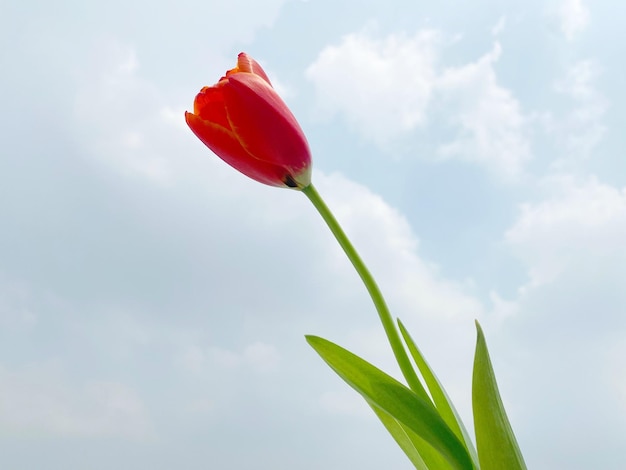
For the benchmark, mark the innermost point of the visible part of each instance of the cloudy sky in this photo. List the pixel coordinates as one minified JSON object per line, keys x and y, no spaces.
{"x":153,"y":301}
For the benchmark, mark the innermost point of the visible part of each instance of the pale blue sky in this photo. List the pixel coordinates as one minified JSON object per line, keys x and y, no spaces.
{"x":153,"y":301}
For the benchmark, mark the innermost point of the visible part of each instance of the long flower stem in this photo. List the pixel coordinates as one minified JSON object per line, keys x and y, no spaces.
{"x":373,"y":289}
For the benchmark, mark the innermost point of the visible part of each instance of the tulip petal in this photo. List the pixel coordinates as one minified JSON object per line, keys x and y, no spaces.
{"x":263,"y":124}
{"x":247,"y":64}
{"x":209,"y":106}
{"x":225,"y":145}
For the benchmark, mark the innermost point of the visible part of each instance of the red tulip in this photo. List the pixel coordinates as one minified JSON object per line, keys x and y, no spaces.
{"x":245,"y":123}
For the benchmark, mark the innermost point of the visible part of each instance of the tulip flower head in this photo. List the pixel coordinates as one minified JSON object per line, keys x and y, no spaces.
{"x":245,"y":123}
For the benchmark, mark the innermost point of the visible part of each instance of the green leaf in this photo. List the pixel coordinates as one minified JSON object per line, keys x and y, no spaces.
{"x":440,"y":397}
{"x":401,"y":436}
{"x":420,"y":453}
{"x":496,"y":443}
{"x":383,"y":391}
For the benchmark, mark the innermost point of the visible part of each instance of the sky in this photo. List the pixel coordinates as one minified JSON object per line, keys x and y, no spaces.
{"x":154,"y":302}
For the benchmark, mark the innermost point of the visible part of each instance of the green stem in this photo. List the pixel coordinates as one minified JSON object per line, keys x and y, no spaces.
{"x":377,"y":297}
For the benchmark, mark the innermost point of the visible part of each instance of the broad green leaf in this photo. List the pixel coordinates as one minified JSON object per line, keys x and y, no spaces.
{"x":496,"y":443}
{"x":440,"y":397}
{"x":391,"y":396}
{"x":420,"y":453}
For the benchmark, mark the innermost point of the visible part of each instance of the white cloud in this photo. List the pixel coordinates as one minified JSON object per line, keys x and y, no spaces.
{"x":574,"y":17}
{"x":579,"y":221}
{"x":615,"y":374}
{"x":502,"y":309}
{"x":381,"y":86}
{"x":569,"y":318}
{"x":118,"y":113}
{"x":15,"y":308}
{"x":578,"y":83}
{"x":391,"y":249}
{"x":499,"y":26}
{"x":38,"y":399}
{"x":490,"y":121}
{"x":200,"y":406}
{"x":582,"y":129}
{"x":385,"y":88}
{"x":259,"y":357}
{"x":346,"y":402}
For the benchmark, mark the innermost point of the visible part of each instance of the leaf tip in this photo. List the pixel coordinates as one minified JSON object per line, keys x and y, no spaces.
{"x":479,"y":328}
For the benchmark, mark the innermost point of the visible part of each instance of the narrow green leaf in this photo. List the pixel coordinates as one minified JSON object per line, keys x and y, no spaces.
{"x":440,"y":397}
{"x":420,"y":453}
{"x":400,"y":435}
{"x":496,"y":443}
{"x":391,"y":396}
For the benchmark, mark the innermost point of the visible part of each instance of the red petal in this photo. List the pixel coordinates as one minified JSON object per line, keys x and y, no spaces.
{"x":226,"y":146}
{"x":245,"y":63}
{"x":263,"y":124}
{"x":209,"y":105}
